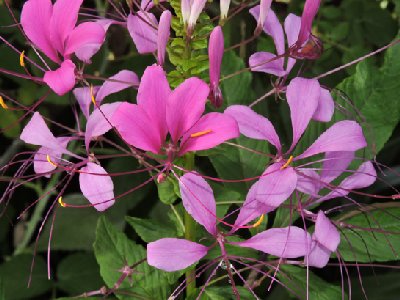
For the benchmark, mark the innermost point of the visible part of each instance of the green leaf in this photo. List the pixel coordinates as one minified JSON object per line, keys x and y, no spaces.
{"x":295,"y":279}
{"x":79,"y":273}
{"x":362,"y":244}
{"x":113,"y":251}
{"x":151,"y":230}
{"x":167,"y":190}
{"x":14,"y":275}
{"x":226,"y":293}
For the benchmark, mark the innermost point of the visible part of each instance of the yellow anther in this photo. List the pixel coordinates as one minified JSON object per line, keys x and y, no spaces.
{"x":92,"y":95}
{"x":200,"y":133}
{"x":22,"y":59}
{"x":3,"y":105}
{"x":49,"y":160}
{"x":287,"y":163}
{"x":61,"y":202}
{"x":258,"y":223}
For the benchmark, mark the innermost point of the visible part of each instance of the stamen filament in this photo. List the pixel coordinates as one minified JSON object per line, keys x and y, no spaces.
{"x":22,"y":59}
{"x":200,"y":133}
{"x":287,"y":163}
{"x":49,"y":160}
{"x":3,"y":105}
{"x":258,"y":223}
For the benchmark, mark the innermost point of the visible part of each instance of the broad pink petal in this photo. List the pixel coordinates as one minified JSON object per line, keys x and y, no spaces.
{"x":84,"y":97}
{"x":326,"y":233}
{"x":292,"y":29}
{"x":143,"y":30}
{"x":97,"y":187}
{"x":85,"y":40}
{"x":98,"y":122}
{"x":215,"y":53}
{"x":310,"y":10}
{"x":308,"y":182}
{"x":185,"y":106}
{"x":40,"y":163}
{"x":325,"y":108}
{"x":268,"y":63}
{"x":152,"y":96}
{"x":363,"y":177}
{"x":174,"y":254}
{"x":62,"y":80}
{"x":63,"y":21}
{"x":251,"y":208}
{"x":334,"y":164}
{"x":341,"y":136}
{"x":136,"y":127}
{"x":198,"y":200}
{"x":302,"y":96}
{"x":318,"y":257}
{"x":164,"y":29}
{"x":288,"y":242}
{"x":35,"y":21}
{"x":253,"y":125}
{"x":37,"y":133}
{"x":122,"y":80}
{"x":276,"y":185}
{"x":223,"y":128}
{"x":272,"y":27}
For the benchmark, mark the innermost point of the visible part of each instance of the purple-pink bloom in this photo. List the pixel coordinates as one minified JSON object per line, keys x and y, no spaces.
{"x":95,"y":184}
{"x":179,"y":112}
{"x":52,"y":29}
{"x":173,"y":254}
{"x":280,"y":179}
{"x":265,"y":6}
{"x":143,"y":29}
{"x":215,"y":54}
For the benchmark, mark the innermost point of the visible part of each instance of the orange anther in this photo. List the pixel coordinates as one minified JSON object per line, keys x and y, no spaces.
{"x":92,"y":95}
{"x":200,"y":133}
{"x":49,"y":160}
{"x":3,"y":105}
{"x":258,"y":223}
{"x":287,"y":163}
{"x":22,"y":59}
{"x":61,"y":202}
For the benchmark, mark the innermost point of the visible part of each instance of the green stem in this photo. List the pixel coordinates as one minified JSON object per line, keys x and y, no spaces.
{"x":190,"y":233}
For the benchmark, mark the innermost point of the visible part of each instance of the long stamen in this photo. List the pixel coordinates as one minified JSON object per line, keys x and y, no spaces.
{"x":287,"y":163}
{"x":200,"y":133}
{"x":2,"y":103}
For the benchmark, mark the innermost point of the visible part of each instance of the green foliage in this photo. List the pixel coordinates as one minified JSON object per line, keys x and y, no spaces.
{"x":151,"y":230}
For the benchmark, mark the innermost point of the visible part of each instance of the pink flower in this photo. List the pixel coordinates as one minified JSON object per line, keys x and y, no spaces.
{"x":280,"y":179}
{"x":160,"y":111}
{"x":163,"y":35}
{"x":215,"y":53}
{"x":191,"y":10}
{"x":52,"y":29}
{"x":171,"y":254}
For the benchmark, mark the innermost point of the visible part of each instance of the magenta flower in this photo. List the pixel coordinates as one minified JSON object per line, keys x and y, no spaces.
{"x":172,"y":254}
{"x":94,"y":181}
{"x":215,"y":53}
{"x":280,"y":179}
{"x":52,"y":29}
{"x":160,"y":111}
{"x":307,"y":45}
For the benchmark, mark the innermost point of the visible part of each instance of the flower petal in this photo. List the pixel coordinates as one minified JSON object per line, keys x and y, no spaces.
{"x":310,"y":10}
{"x":276,"y":185}
{"x":63,"y":21}
{"x":136,"y":127}
{"x":163,"y":35}
{"x":142,"y":28}
{"x":174,"y":254}
{"x":288,"y":242}
{"x":185,"y":106}
{"x":308,"y":182}
{"x":198,"y":200}
{"x":62,"y":80}
{"x":325,"y":108}
{"x":98,"y":122}
{"x":334,"y":164}
{"x":211,"y":130}
{"x":292,"y":29}
{"x":254,"y":125}
{"x":215,"y":53}
{"x":35,"y":21}
{"x":85,"y":40}
{"x":318,"y":257}
{"x":152,"y":96}
{"x":341,"y":136}
{"x":122,"y":80}
{"x":97,"y":186}
{"x":268,"y":63}
{"x":196,"y":8}
{"x":84,"y":97}
{"x":326,"y":233}
{"x":302,"y":95}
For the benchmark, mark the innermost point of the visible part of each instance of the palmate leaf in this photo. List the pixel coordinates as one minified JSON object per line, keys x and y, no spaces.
{"x":113,"y":250}
{"x":376,"y":236}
